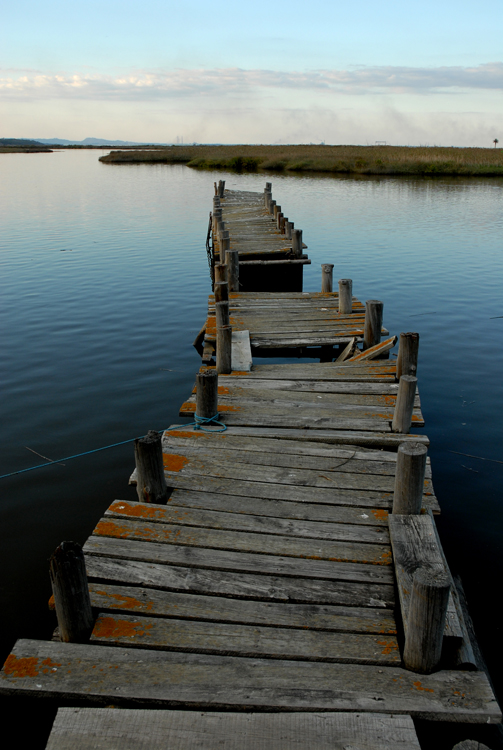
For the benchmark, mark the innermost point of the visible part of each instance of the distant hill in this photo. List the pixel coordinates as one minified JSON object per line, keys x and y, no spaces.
{"x":88,"y":142}
{"x":20,"y":143}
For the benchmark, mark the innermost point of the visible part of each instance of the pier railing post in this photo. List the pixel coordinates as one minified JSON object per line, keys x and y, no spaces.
{"x":67,"y":569}
{"x":345,"y":296}
{"x":426,"y":623}
{"x":206,"y":394}
{"x":221,"y":291}
{"x":221,"y":188}
{"x":297,"y":242}
{"x":220,"y":272}
{"x":289,"y":229}
{"x":408,"y":347}
{"x":279,"y":217}
{"x":409,"y":479}
{"x":373,"y":323}
{"x":276,"y":210}
{"x":216,"y":217}
{"x":272,"y":203}
{"x":232,"y":262}
{"x":327,"y":276}
{"x":222,"y":313}
{"x":150,"y":480}
{"x":282,"y":224}
{"x":224,"y":350}
{"x":402,"y":417}
{"x":225,"y":243}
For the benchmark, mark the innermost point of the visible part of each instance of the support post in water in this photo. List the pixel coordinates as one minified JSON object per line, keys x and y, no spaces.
{"x":206,"y":394}
{"x":426,"y":622}
{"x":150,"y":481}
{"x":221,"y":188}
{"x":224,"y":350}
{"x":67,"y":569}
{"x":409,"y":479}
{"x":402,"y":417}
{"x":288,"y":229}
{"x":345,"y":296}
{"x":232,"y":262}
{"x":222,"y":313}
{"x":373,"y":323}
{"x":408,"y":347}
{"x":220,"y":272}
{"x":297,"y":242}
{"x":221,"y":291}
{"x":327,"y":277}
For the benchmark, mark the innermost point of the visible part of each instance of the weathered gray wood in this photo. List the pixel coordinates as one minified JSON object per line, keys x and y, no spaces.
{"x":71,"y":594}
{"x":232,"y":262}
{"x":327,"y":273}
{"x":220,"y":273}
{"x":427,"y":615}
{"x":348,"y":351}
{"x":402,"y":416}
{"x":406,"y":363}
{"x":297,"y":242}
{"x":373,"y":323}
{"x":276,"y":211}
{"x":272,"y":203}
{"x":221,"y":292}
{"x":207,"y":394}
{"x":115,"y":675}
{"x":137,"y":729}
{"x":289,"y":227}
{"x":241,"y":351}
{"x":279,"y":217}
{"x":224,"y":349}
{"x":470,"y":745}
{"x":374,"y":351}
{"x":345,"y":296}
{"x":222,"y":314}
{"x":409,"y":479}
{"x":108,"y":597}
{"x":150,"y":482}
{"x":242,"y":640}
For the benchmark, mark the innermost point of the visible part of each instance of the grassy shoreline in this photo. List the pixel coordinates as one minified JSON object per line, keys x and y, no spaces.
{"x":366,"y":160}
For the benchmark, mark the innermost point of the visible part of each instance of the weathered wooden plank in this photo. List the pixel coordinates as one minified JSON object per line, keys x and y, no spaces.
{"x":241,"y":351}
{"x":268,"y":544}
{"x":109,"y":674}
{"x":112,"y":729}
{"x":173,"y":604}
{"x":225,"y":560}
{"x":374,"y":351}
{"x":213,"y":519}
{"x":237,"y":584}
{"x":242,"y":640}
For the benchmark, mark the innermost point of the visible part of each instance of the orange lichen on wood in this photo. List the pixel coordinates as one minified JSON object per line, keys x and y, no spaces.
{"x":125,"y":602}
{"x":222,"y":389}
{"x":135,"y":510}
{"x":109,"y":627}
{"x":389,"y":646}
{"x":26,"y":666}
{"x":181,"y":433}
{"x":51,"y":603}
{"x":380,"y":514}
{"x":112,"y":528}
{"x":418,"y":685}
{"x":174,"y":462}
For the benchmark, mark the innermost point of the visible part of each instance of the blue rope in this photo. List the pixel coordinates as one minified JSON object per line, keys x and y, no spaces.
{"x":198,"y":425}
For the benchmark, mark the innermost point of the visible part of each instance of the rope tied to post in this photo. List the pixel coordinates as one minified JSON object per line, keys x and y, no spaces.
{"x":199,"y":423}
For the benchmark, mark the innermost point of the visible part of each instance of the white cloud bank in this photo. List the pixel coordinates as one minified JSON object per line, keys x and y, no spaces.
{"x":151,"y":85}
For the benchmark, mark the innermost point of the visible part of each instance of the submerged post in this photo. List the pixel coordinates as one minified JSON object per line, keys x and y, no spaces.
{"x":409,"y":479}
{"x":150,"y":480}
{"x":426,"y":622}
{"x":327,"y":275}
{"x":206,"y":394}
{"x":406,"y":363}
{"x":232,"y":262}
{"x":345,"y":296}
{"x":373,"y":323}
{"x":402,"y":417}
{"x":67,"y":570}
{"x":224,"y":350}
{"x":297,"y":242}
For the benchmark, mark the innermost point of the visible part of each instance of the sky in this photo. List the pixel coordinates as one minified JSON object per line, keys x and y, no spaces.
{"x":360,"y":71}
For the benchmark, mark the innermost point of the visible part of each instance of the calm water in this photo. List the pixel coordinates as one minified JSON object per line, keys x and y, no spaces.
{"x":104,"y":283}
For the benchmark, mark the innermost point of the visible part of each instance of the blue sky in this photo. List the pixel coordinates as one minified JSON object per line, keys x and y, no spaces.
{"x":261,"y":72}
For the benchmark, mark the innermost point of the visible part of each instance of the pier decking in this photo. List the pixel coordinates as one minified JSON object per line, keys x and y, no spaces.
{"x":273,"y":590}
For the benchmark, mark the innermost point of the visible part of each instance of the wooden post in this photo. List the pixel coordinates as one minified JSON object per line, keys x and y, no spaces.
{"x":282,"y":223}
{"x":225,"y":243}
{"x":224,"y":350}
{"x":373,"y":323}
{"x":406,"y":363}
{"x":206,"y":394}
{"x":327,"y":273}
{"x":279,"y":216}
{"x":216,"y":202}
{"x":150,"y":481}
{"x":220,"y":229}
{"x":221,"y":188}
{"x":215,"y":218}
{"x":222,"y":314}
{"x":426,"y":624}
{"x":288,"y":229}
{"x":268,"y":186}
{"x":345,"y":296}
{"x":272,"y":203}
{"x":297,"y":242}
{"x":221,"y":290}
{"x":220,"y":272}
{"x":67,"y":569}
{"x":232,"y":262}
{"x":409,"y":479}
{"x":402,"y":417}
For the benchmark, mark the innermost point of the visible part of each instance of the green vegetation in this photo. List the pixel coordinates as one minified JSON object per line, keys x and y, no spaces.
{"x":16,"y":145}
{"x":366,"y":160}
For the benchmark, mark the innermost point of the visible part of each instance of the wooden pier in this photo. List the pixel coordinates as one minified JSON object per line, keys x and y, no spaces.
{"x":276,"y":600}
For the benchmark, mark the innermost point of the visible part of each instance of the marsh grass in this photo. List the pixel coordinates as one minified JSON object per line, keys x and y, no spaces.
{"x":372,"y":160}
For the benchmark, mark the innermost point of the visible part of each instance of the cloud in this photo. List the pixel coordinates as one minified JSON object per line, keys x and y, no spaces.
{"x":149,"y":85}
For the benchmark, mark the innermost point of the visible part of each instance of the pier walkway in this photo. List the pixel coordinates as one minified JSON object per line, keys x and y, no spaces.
{"x":268,"y":603}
